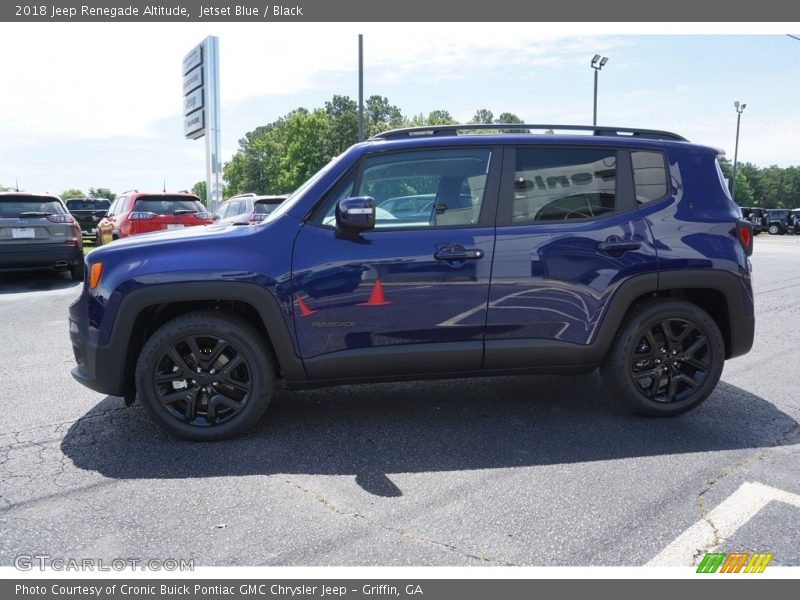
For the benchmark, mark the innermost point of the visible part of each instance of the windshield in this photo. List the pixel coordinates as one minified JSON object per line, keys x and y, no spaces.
{"x":264,"y":207}
{"x":167,"y":205}
{"x":15,"y":206}
{"x":298,"y":193}
{"x":88,"y":204}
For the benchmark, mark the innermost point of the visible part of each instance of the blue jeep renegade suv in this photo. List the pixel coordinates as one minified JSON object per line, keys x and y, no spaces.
{"x":435,"y":252}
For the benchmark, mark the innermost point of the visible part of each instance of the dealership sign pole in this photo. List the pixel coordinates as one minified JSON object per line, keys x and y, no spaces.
{"x":201,"y":109}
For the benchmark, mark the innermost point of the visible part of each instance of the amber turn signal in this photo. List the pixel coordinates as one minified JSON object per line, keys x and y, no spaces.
{"x":94,"y":274}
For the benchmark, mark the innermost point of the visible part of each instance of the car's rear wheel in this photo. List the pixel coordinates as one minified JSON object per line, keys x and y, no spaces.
{"x":205,"y":376}
{"x":666,"y":358}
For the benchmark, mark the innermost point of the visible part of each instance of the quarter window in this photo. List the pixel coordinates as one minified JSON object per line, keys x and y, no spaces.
{"x":649,"y":175}
{"x":558,"y":184}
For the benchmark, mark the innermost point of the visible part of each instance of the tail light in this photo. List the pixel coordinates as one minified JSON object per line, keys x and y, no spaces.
{"x":141,"y":216}
{"x":60,"y":218}
{"x":257,"y":217}
{"x":203,"y":216}
{"x":744,"y":231}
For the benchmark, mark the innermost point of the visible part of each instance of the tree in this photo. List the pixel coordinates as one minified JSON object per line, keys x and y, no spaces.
{"x":508,"y":117}
{"x":72,"y":193}
{"x":102,"y":193}
{"x":380,"y":115}
{"x":342,"y":123}
{"x":304,"y":149}
{"x":440,"y":117}
{"x":744,"y":193}
{"x":483,"y":115}
{"x":199,"y":190}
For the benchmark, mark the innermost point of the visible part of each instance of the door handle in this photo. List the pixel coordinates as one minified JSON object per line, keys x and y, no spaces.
{"x":618,"y":246}
{"x":458,"y":254}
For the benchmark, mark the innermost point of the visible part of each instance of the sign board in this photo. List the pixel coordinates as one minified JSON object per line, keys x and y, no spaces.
{"x":200,"y":71}
{"x":193,"y":101}
{"x":193,"y":125}
{"x":193,"y":59}
{"x":192,"y":80}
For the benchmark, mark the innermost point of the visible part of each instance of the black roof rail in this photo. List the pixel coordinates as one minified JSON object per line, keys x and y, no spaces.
{"x":128,"y":192}
{"x":245,"y":195}
{"x":435,"y":130}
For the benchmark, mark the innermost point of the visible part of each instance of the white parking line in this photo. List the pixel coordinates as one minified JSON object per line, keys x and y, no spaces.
{"x":736,"y":510}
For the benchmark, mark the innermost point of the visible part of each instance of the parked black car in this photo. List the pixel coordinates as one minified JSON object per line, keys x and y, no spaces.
{"x":757,"y":216}
{"x":777,"y":221}
{"x":88,"y":212}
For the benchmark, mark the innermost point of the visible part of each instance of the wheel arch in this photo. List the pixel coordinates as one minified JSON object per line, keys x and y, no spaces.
{"x":720,"y":293}
{"x":144,"y":310}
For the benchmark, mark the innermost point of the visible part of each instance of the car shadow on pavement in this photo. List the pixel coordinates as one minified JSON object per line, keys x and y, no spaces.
{"x":39,"y":281}
{"x":374,"y":430}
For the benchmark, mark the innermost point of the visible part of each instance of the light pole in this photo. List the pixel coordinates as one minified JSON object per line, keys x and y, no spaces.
{"x":598,"y":62}
{"x":739,"y":110}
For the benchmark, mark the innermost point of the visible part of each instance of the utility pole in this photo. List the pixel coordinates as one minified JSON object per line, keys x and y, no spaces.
{"x":739,"y":110}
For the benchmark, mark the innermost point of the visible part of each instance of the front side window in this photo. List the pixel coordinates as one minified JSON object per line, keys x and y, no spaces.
{"x":558,"y":184}
{"x":430,"y":188}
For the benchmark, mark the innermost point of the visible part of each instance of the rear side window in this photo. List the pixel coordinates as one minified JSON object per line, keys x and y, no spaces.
{"x":562,"y":184}
{"x":167,"y":205}
{"x":649,"y":175}
{"x":33,"y":205}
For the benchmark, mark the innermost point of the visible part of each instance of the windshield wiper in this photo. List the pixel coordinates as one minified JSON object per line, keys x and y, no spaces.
{"x":35,"y":213}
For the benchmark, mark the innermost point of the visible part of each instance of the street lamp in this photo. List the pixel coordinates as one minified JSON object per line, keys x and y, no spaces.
{"x":598,"y":62}
{"x":739,"y":109}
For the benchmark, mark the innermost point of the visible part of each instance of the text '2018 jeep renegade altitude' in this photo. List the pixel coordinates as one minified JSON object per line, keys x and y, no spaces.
{"x":526,"y":253}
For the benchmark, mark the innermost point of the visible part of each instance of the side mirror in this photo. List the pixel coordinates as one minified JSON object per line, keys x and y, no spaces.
{"x":354,"y":215}
{"x":217,"y":217}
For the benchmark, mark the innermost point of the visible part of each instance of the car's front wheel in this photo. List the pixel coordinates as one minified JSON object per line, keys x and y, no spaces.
{"x":774,"y":230}
{"x":205,"y":376}
{"x":666,"y":358}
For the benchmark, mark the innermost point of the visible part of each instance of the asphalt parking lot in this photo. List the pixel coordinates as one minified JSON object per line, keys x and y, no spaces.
{"x":500,"y":471}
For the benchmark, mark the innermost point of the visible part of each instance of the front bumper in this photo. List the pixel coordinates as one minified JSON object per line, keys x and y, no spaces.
{"x":100,"y":368}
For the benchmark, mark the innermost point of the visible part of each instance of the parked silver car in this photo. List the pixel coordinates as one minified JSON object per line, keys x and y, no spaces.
{"x":38,"y":233}
{"x":247,"y":208}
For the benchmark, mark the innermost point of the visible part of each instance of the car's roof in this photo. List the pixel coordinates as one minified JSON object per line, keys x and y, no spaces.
{"x":29,"y":195}
{"x":454,"y":135}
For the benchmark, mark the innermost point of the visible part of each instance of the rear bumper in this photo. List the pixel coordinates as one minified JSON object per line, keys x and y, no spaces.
{"x":27,"y":257}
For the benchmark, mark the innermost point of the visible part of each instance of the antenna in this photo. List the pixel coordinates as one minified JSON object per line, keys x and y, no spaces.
{"x":16,"y":183}
{"x":164,"y":189}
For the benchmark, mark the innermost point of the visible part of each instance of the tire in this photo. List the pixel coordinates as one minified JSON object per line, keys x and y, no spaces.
{"x":641,"y":349}
{"x":230,"y":392}
{"x":774,"y":230}
{"x":76,"y":272}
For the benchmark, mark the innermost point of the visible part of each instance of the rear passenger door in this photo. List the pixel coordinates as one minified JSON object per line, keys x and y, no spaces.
{"x":568,"y":234}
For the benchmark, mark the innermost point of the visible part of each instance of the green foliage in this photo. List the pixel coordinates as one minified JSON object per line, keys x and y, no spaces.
{"x":102,"y":193}
{"x":72,"y":193}
{"x":483,"y":115}
{"x":199,"y":190}
{"x":744,"y":193}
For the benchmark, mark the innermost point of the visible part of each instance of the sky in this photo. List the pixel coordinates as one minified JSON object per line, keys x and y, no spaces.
{"x":99,"y":105}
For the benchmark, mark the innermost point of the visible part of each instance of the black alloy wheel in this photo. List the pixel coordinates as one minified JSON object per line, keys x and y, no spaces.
{"x":671,"y":360}
{"x":205,"y":376}
{"x":666,"y":358}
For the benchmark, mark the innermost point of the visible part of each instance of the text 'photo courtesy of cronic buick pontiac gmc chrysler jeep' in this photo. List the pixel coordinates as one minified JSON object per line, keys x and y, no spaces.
{"x":430,"y":253}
